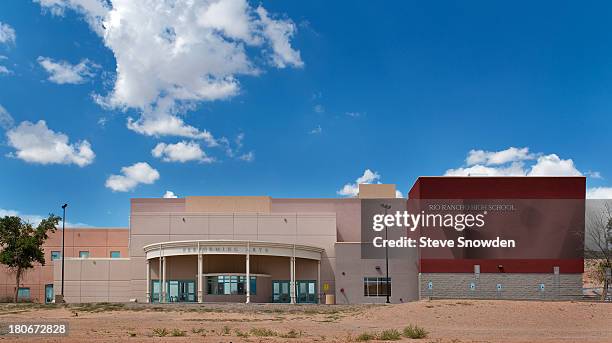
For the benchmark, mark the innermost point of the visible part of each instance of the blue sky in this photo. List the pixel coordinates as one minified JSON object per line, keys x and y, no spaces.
{"x":293,"y":99}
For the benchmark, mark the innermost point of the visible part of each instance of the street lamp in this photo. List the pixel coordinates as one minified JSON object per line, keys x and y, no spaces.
{"x":63,"y":239}
{"x":387,"y":207}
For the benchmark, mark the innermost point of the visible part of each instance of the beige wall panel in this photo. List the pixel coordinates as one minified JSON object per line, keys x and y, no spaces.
{"x":188,"y":237}
{"x":276,"y":224}
{"x":120,"y":270}
{"x":138,"y":268}
{"x":192,"y":224}
{"x":221,"y":236}
{"x":94,"y":269}
{"x":150,"y":224}
{"x":72,"y":270}
{"x":246,"y":237}
{"x":245,"y":224}
{"x":291,"y":239}
{"x":221,"y":224}
{"x":311,"y":224}
{"x":139,"y":241}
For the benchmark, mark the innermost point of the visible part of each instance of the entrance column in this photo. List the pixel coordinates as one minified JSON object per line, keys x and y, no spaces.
{"x":292,"y":281}
{"x":148,"y":281}
{"x":248,"y":275}
{"x":319,"y":281}
{"x":163,"y":283}
{"x":200,"y":285}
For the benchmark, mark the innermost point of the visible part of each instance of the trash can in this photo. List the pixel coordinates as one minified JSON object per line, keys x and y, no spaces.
{"x":330,"y":299}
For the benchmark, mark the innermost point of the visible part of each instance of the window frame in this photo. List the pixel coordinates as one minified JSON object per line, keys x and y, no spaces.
{"x":58,"y":257}
{"x":21,"y":297}
{"x":379,"y":284}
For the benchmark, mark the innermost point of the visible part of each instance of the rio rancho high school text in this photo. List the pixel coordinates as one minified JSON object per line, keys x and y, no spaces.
{"x":260,"y":249}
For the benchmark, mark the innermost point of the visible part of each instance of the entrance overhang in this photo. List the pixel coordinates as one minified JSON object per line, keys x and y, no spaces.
{"x":232,"y":247}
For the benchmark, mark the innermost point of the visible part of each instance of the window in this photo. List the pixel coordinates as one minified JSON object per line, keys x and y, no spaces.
{"x":23,"y":294}
{"x":229,"y":284}
{"x":115,"y":254}
{"x":84,"y":254}
{"x":55,"y":255}
{"x":376,"y":286}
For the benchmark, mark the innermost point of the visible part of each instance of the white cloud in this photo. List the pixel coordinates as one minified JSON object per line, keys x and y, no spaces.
{"x":173,"y":54}
{"x":593,"y":174}
{"x":163,"y":124}
{"x":599,"y":193}
{"x":552,"y":165}
{"x":93,"y":10}
{"x":398,"y":194}
{"x":36,"y":143}
{"x":6,"y":120}
{"x":514,"y":169}
{"x":181,"y":152}
{"x":169,"y":195}
{"x":62,"y":72}
{"x":132,"y":176}
{"x":4,"y":70}
{"x":353,"y":114}
{"x":511,"y":154}
{"x":352,"y":189}
{"x":248,"y":157}
{"x":316,"y":131}
{"x":319,"y":108}
{"x":35,"y":219}
{"x":514,"y":162}
{"x":7,"y":34}
{"x":278,"y":33}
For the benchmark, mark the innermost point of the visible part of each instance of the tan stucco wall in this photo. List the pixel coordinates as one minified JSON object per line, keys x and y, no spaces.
{"x":351,"y":270}
{"x":98,"y":241}
{"x":376,"y":191}
{"x":94,"y":280}
{"x":228,"y":204}
{"x":315,"y":229}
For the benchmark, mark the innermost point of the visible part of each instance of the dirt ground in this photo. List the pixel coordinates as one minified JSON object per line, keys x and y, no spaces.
{"x":444,"y":320}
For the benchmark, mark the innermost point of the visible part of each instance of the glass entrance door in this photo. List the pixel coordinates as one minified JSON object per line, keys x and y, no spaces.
{"x":177,"y":291}
{"x":49,"y":294}
{"x":280,"y":291}
{"x":306,"y":291}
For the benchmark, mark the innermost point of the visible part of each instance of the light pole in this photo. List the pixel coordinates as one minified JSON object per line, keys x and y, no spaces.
{"x":63,"y":239}
{"x":386,"y":207}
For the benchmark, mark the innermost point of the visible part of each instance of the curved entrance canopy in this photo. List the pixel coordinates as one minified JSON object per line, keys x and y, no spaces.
{"x":231,"y":247}
{"x":163,"y":250}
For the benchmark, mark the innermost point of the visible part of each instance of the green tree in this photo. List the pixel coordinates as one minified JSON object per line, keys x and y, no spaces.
{"x":21,"y":244}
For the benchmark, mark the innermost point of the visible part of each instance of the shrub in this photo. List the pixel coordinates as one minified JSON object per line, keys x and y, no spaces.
{"x":178,"y":333}
{"x":160,"y":332}
{"x":389,"y":335}
{"x":241,"y":334}
{"x":292,"y":334}
{"x":263,"y":332}
{"x":414,"y":332}
{"x":226,"y":330}
{"x":365,"y":337}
